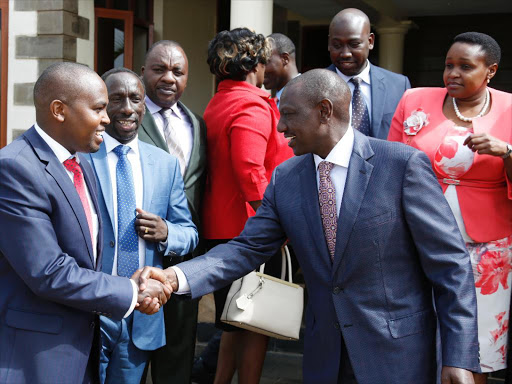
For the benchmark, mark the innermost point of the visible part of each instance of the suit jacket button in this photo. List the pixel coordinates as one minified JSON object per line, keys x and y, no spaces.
{"x":92,"y":325}
{"x":112,"y":243}
{"x":337,"y":325}
{"x":336,"y":290}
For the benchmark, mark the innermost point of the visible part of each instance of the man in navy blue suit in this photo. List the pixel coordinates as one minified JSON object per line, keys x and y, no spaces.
{"x":52,"y":290}
{"x":163,"y":223}
{"x":375,"y":239}
{"x":379,"y":90}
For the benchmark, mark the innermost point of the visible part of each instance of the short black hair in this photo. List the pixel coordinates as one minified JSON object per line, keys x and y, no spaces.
{"x":233,"y":54}
{"x":282,"y":44}
{"x":491,"y":48}
{"x":169,"y":43}
{"x":113,"y":71}
{"x":60,"y":81}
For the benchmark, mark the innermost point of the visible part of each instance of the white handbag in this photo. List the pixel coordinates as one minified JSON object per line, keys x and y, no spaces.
{"x":265,"y":304}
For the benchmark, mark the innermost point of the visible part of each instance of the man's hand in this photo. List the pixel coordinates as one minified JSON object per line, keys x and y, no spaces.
{"x":150,"y":227}
{"x":167,"y":277}
{"x":152,"y":297}
{"x":452,"y":375}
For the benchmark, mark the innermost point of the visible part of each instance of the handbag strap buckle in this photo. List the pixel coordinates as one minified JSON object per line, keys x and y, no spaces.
{"x":255,"y":291}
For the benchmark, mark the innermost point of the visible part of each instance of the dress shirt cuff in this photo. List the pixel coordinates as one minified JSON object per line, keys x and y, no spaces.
{"x":162,"y":246}
{"x":134,"y":299}
{"x":183,"y":287}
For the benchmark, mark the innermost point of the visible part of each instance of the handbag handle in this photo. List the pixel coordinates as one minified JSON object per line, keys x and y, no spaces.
{"x":285,"y":260}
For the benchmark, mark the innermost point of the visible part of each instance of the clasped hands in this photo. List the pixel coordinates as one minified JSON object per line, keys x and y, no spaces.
{"x":155,"y":288}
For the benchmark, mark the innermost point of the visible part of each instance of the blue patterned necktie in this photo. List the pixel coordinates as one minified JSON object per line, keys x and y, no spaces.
{"x":127,"y":240}
{"x":360,"y":116}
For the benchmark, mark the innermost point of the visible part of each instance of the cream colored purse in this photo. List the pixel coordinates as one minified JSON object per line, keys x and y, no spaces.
{"x":265,"y":304}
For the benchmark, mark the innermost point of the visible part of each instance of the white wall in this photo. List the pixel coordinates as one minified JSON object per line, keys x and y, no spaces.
{"x":20,"y":71}
{"x":85,"y":48}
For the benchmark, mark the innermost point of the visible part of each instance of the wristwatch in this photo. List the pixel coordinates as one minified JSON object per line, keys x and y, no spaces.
{"x":509,"y":151}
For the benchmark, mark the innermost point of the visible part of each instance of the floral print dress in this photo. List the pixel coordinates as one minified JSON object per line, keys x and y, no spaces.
{"x":491,"y":261}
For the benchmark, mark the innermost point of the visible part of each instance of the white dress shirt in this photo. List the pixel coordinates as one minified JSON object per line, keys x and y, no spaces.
{"x":339,"y":156}
{"x":62,"y":155}
{"x":133,"y":157}
{"x":181,"y":124}
{"x":366,"y":87}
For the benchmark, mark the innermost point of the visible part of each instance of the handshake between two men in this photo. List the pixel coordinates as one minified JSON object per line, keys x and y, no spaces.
{"x":155,"y":288}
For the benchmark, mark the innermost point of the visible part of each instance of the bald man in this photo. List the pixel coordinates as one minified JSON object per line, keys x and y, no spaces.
{"x":371,"y":273}
{"x":376,"y":91}
{"x":51,"y":239}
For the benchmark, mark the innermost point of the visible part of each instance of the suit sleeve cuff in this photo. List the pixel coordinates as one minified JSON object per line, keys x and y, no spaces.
{"x":183,"y":287}
{"x":134,"y":299}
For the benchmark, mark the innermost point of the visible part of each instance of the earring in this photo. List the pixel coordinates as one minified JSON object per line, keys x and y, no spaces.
{"x":488,"y":80}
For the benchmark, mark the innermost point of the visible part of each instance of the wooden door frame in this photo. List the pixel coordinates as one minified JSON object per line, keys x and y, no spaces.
{"x":127,"y":17}
{"x":4,"y":6}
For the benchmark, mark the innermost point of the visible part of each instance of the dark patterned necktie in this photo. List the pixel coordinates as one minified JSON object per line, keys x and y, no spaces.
{"x":127,"y":240}
{"x":360,"y":115}
{"x":78,"y":180}
{"x":327,"y":199}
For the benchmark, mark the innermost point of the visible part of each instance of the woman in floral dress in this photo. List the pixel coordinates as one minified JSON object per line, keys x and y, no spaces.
{"x":465,"y":129}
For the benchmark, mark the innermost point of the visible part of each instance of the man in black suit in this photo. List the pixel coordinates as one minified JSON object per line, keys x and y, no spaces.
{"x":377,"y":90}
{"x":171,"y":126}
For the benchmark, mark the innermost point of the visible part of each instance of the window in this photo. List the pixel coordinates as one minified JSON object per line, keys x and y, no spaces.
{"x":123,"y":33}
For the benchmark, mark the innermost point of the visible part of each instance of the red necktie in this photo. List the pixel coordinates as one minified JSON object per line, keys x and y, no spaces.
{"x":78,"y":179}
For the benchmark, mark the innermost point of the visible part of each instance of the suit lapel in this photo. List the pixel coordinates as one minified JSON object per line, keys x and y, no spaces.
{"x":100,"y":163}
{"x":190,"y":175}
{"x":149,"y":127}
{"x":311,"y":207}
{"x":147,"y":163}
{"x":58,"y":172}
{"x":89,"y":180}
{"x":378,"y":97}
{"x":358,"y":176}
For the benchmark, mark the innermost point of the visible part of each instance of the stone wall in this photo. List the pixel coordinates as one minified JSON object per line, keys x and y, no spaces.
{"x":41,"y":32}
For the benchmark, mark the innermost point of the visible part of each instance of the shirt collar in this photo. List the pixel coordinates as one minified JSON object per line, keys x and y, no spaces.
{"x":364,"y":75}
{"x":342,"y":151}
{"x":60,"y":152}
{"x":280,"y":92}
{"x":153,"y":108}
{"x":111,"y":143}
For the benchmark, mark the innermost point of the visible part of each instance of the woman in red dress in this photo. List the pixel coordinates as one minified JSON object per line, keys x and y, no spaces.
{"x":243,"y":148}
{"x":466,"y":130}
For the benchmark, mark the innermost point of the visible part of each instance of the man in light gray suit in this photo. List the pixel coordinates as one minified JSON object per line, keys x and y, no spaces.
{"x":171,"y":126}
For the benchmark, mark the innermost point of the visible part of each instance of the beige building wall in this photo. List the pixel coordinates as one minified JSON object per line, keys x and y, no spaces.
{"x":19,"y":117}
{"x":192,"y":23}
{"x":85,"y":47}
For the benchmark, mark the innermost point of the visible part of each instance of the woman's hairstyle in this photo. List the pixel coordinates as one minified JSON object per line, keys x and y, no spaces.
{"x":491,"y":48}
{"x":233,"y":54}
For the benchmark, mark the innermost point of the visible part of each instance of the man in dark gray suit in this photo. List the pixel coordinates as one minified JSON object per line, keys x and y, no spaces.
{"x":171,"y":126}
{"x":375,"y":90}
{"x":375,"y":239}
